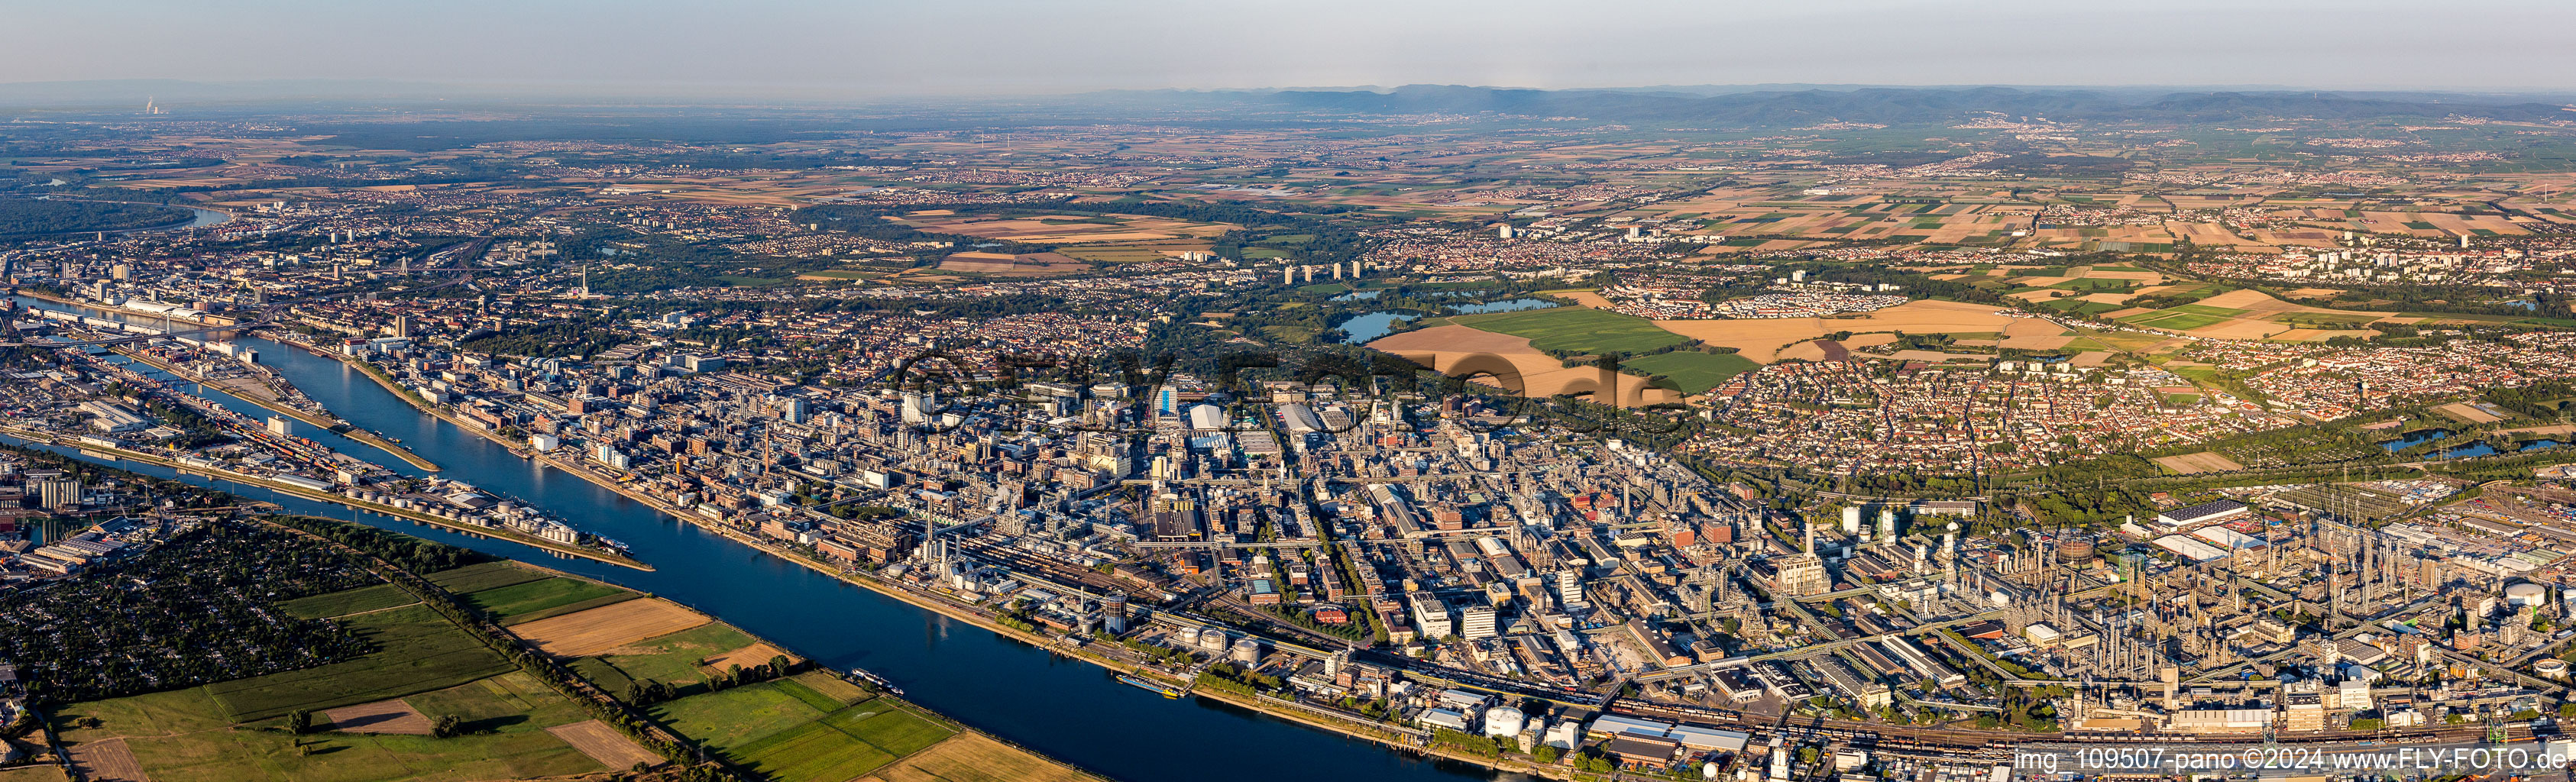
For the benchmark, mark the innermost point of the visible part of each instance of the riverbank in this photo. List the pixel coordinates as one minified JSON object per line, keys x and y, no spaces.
{"x":300,"y":492}
{"x":879,"y":693}
{"x":271,"y":404}
{"x":1380,"y":735}
{"x":361,"y":435}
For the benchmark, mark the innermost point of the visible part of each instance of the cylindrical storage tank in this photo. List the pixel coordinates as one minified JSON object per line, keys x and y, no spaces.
{"x":2075,"y":548}
{"x":2526,"y":594}
{"x":1504,"y":721}
{"x":1212,"y":639}
{"x":1247,"y":651}
{"x":1113,"y":612}
{"x":2553,"y":668}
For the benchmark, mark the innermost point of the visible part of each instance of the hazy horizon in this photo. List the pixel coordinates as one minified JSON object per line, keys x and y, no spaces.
{"x":806,"y":50}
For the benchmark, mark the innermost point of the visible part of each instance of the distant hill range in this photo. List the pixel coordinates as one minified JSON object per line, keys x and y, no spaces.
{"x":1715,"y":107}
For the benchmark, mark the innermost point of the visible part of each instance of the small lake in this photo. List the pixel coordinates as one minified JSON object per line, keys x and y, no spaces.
{"x":2415,"y":438}
{"x":1366,"y":327}
{"x":2483,"y":449}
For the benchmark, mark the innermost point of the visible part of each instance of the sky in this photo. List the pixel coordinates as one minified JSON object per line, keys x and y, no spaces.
{"x":867,"y":48}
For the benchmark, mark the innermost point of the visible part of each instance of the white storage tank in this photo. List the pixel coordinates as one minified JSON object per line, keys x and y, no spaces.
{"x":1504,"y":721}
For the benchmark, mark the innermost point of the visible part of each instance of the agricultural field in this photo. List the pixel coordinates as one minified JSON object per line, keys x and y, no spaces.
{"x":1693,"y":371}
{"x":793,"y":731}
{"x":354,"y":601}
{"x":605,"y":744}
{"x":1762,"y":340}
{"x":2249,"y":314}
{"x":1509,"y":363}
{"x":522,"y":599}
{"x":1068,"y":229}
{"x":488,"y":575}
{"x":417,"y":651}
{"x":2204,"y":461}
{"x":1576,"y":329}
{"x":1007,"y":265}
{"x":974,"y":758}
{"x":173,"y":737}
{"x":184,"y":736}
{"x":674,"y":658}
{"x":601,"y":629}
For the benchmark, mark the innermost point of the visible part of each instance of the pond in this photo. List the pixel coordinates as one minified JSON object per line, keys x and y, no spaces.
{"x":2415,"y":438}
{"x":1366,"y":327}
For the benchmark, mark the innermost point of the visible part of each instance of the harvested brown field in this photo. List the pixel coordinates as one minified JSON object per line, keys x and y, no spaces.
{"x":2317,"y":335}
{"x":598,"y":630}
{"x":1026,"y":265}
{"x":748,"y":656}
{"x":2469,"y":413}
{"x":971,"y":757}
{"x":2239,"y":328}
{"x":2205,"y":461}
{"x":604,"y":744}
{"x":385,"y":716}
{"x":1456,"y":350}
{"x":1585,"y":298}
{"x":1762,"y":339}
{"x":106,"y":761}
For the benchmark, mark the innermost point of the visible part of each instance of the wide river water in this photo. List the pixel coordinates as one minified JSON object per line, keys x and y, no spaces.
{"x":1072,"y":710}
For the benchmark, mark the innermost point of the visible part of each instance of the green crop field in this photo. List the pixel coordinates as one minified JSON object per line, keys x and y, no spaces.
{"x":417,"y":651}
{"x":842,"y":745}
{"x":517,"y":599}
{"x":2204,"y":309}
{"x":510,"y":702}
{"x":489,"y":575}
{"x":1577,"y":329}
{"x":181,"y":736}
{"x":732,"y":718}
{"x":2080,"y":306}
{"x":2339,"y":319}
{"x":1693,"y":371}
{"x":607,"y":677}
{"x":794,"y":733}
{"x":674,"y":658}
{"x":2176,"y":321}
{"x":1113,"y":254}
{"x":374,"y":598}
{"x":812,"y":752}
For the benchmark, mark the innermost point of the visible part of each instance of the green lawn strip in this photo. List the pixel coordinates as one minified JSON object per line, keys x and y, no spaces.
{"x":521,"y":598}
{"x":1577,"y":329}
{"x":346,"y":602}
{"x":489,"y":575}
{"x":418,"y":651}
{"x":1693,"y":371}
{"x":571,"y":608}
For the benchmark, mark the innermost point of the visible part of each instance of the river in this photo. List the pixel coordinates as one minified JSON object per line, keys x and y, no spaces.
{"x":1069,"y":709}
